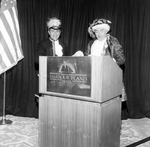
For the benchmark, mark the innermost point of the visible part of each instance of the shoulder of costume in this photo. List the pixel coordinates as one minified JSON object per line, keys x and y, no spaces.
{"x":112,"y":37}
{"x":45,"y":42}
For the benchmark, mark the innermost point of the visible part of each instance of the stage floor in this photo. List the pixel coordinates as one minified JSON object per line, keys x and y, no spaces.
{"x":23,"y":132}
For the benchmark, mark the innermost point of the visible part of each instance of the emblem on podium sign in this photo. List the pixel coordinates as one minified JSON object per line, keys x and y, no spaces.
{"x":69,"y":75}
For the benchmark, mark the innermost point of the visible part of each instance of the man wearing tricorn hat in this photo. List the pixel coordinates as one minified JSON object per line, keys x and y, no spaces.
{"x":51,"y":46}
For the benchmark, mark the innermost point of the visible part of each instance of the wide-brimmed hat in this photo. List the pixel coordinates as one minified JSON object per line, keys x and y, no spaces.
{"x":54,"y":23}
{"x":97,"y":25}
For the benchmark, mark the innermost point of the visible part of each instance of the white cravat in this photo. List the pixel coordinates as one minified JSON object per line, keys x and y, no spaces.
{"x":57,"y":48}
{"x":97,"y":48}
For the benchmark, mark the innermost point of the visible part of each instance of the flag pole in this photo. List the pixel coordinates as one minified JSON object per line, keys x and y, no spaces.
{"x":4,"y":121}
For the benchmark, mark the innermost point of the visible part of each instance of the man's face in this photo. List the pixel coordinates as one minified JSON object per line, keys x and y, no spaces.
{"x":100,"y":33}
{"x":54,"y":34}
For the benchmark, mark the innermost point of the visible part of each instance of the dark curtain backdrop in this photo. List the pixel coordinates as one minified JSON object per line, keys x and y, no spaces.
{"x":130,"y":24}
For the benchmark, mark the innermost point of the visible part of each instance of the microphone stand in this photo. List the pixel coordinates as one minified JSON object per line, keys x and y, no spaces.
{"x":4,"y":121}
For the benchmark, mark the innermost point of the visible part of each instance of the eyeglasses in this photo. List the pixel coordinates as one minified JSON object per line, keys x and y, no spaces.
{"x":54,"y":31}
{"x":100,"y":31}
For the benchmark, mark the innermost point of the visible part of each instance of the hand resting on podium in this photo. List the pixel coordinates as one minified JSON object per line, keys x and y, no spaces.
{"x":78,"y":53}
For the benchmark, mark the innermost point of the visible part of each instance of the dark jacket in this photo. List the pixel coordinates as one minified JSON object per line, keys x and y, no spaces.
{"x":45,"y":48}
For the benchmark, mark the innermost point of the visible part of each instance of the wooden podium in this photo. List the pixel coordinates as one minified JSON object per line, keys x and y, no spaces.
{"x":81,"y":105}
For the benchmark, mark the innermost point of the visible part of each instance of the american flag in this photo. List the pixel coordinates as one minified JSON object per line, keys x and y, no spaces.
{"x":10,"y":42}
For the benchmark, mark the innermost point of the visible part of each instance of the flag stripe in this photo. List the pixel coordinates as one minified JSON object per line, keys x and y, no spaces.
{"x":7,"y":58}
{"x":17,"y":24}
{"x":14,"y":33}
{"x":5,"y":62}
{"x":6,"y":34}
{"x":6,"y":49}
{"x":15,"y":29}
{"x":3,"y":65}
{"x":10,"y":33}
